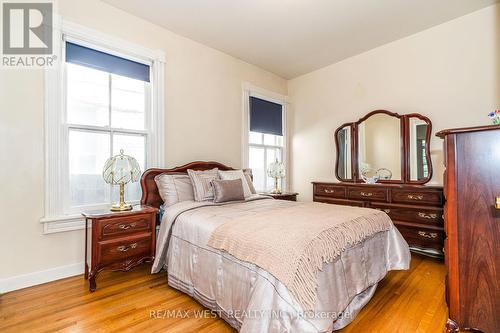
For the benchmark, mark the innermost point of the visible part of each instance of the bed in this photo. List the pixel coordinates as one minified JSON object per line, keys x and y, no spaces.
{"x":248,"y":296}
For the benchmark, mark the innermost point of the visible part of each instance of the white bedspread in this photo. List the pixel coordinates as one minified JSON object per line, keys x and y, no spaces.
{"x":250,"y":298}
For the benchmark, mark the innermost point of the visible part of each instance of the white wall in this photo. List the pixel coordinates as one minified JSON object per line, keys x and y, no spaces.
{"x":450,"y":73}
{"x":203,"y":97}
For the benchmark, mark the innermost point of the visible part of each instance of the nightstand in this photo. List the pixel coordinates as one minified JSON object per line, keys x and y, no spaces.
{"x":290,"y":196}
{"x":119,"y":240}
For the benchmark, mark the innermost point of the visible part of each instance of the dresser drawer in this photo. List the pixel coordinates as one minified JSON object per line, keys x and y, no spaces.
{"x":113,"y":251}
{"x":371,"y":193}
{"x":422,"y":237}
{"x":330,"y":190}
{"x":115,"y":227}
{"x":344,"y":202}
{"x":417,"y":197}
{"x":417,"y":214}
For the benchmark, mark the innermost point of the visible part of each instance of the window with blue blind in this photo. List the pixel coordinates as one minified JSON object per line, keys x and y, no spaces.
{"x":265,"y":139}
{"x":107,"y":109}
{"x":84,"y":56}
{"x":266,"y":117}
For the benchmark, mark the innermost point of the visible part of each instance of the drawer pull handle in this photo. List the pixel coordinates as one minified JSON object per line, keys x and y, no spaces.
{"x":415,"y":196}
{"x":125,"y":248}
{"x":126,"y":226}
{"x":428,"y":234}
{"x":329,"y":191}
{"x":366,"y":194}
{"x":497,"y":203}
{"x":427,"y":216}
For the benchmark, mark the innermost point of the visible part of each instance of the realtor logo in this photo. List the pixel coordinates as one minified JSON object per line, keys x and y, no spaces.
{"x":27,"y":34}
{"x":27,"y":28}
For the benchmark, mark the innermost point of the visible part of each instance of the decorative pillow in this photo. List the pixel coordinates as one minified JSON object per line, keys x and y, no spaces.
{"x":202,"y":183}
{"x":228,"y":190}
{"x":174,"y":188}
{"x":237,"y":174}
{"x":249,"y":176}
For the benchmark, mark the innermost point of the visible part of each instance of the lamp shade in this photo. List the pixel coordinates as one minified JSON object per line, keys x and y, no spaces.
{"x":121,"y":169}
{"x":276,"y":170}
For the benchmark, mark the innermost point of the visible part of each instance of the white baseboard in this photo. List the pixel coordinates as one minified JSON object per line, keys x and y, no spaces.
{"x":32,"y":279}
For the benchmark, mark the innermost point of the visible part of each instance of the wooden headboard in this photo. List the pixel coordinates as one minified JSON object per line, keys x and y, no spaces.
{"x":150,"y":195}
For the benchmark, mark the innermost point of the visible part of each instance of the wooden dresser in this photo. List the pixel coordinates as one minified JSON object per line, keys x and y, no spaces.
{"x":416,"y":210}
{"x":472,"y":225}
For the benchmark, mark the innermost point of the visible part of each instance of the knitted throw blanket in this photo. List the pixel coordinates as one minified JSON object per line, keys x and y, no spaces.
{"x":293,"y":242}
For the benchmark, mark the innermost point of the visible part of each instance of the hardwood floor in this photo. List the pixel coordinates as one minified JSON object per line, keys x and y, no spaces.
{"x":406,"y":302}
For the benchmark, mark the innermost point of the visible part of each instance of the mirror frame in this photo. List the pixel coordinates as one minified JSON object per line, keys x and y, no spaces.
{"x":405,"y":148}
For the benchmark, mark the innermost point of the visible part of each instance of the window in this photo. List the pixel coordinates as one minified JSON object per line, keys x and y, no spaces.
{"x":105,"y":113}
{"x":103,"y":97}
{"x":266,"y":136}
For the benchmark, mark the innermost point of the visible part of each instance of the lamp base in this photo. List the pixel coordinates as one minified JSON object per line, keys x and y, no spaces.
{"x":121,"y":207}
{"x":276,"y":189}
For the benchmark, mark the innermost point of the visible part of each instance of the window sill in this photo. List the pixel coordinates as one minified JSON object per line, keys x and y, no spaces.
{"x":64,"y":223}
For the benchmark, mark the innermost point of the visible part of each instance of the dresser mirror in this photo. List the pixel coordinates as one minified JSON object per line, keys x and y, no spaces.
{"x":379,"y":145}
{"x":419,"y":169}
{"x":344,"y":153}
{"x":394,"y":146}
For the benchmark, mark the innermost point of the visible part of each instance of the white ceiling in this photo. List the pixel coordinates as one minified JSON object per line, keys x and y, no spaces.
{"x":294,"y":37}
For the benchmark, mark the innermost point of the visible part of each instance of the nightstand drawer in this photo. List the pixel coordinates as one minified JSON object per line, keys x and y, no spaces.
{"x":117,"y":227}
{"x":113,"y":251}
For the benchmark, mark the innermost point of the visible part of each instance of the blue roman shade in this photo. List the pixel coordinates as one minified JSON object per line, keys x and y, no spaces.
{"x":266,"y":117}
{"x":84,"y":56}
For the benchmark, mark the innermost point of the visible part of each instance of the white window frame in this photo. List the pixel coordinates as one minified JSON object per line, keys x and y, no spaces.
{"x":56,"y":129}
{"x":250,"y":90}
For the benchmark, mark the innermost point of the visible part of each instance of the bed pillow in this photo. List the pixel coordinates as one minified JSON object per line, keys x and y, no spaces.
{"x":237,"y":174}
{"x":202,"y":183}
{"x":228,"y":190}
{"x":249,"y":176}
{"x":174,"y":188}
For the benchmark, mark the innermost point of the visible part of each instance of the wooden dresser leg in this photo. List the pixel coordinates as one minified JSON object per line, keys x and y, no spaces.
{"x":92,"y":276}
{"x":86,"y":242}
{"x":92,"y":285}
{"x":451,"y":326}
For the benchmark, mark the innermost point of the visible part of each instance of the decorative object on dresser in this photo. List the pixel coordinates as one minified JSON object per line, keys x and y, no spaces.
{"x":370,"y":176}
{"x":472,"y":226}
{"x":119,"y":240}
{"x":290,"y":196}
{"x":119,"y":170}
{"x":417,"y":211}
{"x":397,"y":147}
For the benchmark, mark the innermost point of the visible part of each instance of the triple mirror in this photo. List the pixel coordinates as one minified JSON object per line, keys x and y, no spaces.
{"x":392,"y":146}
